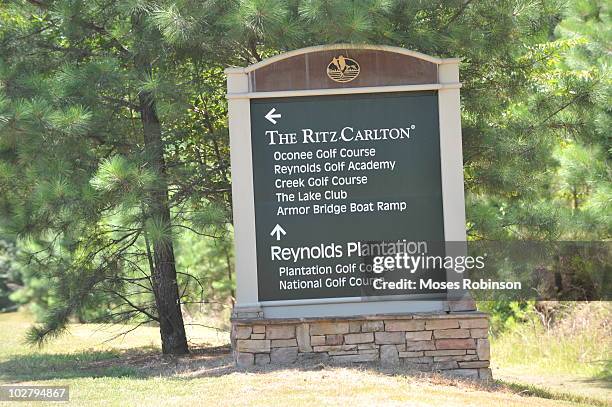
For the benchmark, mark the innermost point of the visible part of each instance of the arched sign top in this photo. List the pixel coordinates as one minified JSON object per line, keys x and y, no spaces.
{"x":342,"y":66}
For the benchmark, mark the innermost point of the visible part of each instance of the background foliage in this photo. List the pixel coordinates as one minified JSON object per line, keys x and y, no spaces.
{"x":74,"y":174}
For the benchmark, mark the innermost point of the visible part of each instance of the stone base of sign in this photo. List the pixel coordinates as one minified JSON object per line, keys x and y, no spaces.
{"x":455,"y":343}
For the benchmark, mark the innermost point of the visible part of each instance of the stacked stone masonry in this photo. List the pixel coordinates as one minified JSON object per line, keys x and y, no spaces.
{"x":455,"y":343}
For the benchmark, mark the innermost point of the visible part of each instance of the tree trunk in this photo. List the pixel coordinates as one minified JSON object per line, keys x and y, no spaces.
{"x":165,"y":287}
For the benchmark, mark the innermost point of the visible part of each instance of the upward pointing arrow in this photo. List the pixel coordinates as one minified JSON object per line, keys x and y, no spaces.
{"x":278,"y":231}
{"x":271,"y":116}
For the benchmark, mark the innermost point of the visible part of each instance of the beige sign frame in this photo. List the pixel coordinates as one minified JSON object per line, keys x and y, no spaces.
{"x":239,"y":94}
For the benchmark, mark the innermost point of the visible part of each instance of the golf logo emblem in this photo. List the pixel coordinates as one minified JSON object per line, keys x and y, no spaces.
{"x":342,"y":69}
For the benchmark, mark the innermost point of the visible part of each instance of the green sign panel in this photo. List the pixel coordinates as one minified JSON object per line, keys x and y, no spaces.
{"x":338,"y":181}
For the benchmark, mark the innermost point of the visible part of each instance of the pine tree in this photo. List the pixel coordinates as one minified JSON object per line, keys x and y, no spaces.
{"x":96,"y":170}
{"x":581,"y":78}
{"x":507,"y":156}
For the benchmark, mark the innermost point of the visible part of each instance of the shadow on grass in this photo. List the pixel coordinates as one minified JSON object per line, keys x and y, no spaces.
{"x":534,"y":391}
{"x":605,"y":376}
{"x":34,"y":367}
{"x":603,"y":381}
{"x":142,"y":363}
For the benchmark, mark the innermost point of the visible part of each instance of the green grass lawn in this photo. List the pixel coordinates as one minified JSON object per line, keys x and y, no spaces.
{"x":128,"y":371}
